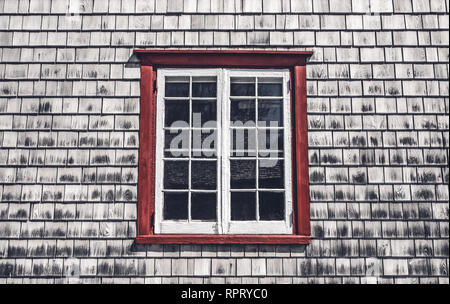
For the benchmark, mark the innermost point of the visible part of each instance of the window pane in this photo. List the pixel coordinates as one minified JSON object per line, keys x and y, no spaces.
{"x":204,"y":111}
{"x":242,"y":86}
{"x":204,"y":175}
{"x":271,"y":174}
{"x":204,"y":143}
{"x":271,"y":206}
{"x":270,"y":113}
{"x":204,"y":89}
{"x":176,"y":111}
{"x":243,"y":206}
{"x":176,"y":174}
{"x":270,"y":140}
{"x":270,"y":89}
{"x":204,"y":206}
{"x":243,"y":142}
{"x":243,"y":174}
{"x":242,"y":111}
{"x":175,"y":206}
{"x":177,"y":89}
{"x":176,"y":143}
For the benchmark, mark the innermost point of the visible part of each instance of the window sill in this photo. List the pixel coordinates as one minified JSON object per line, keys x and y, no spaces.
{"x":222,"y":239}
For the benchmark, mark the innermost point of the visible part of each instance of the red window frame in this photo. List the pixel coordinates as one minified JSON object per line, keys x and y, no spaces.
{"x":150,"y":61}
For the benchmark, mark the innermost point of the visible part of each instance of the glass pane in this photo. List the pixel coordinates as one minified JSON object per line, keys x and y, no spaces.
{"x":204,"y":143}
{"x":242,"y":86}
{"x":243,"y":142}
{"x":270,"y":139}
{"x":270,"y":89}
{"x":271,"y":174}
{"x":175,"y":206}
{"x":204,"y":175}
{"x":270,"y":113}
{"x":204,"y":89}
{"x":243,"y":206}
{"x":176,"y":174}
{"x":204,"y":206}
{"x":271,"y":206}
{"x":243,"y":174}
{"x":176,"y":143}
{"x":204,"y":111}
{"x":176,"y":111}
{"x":177,"y":89}
{"x":242,"y":111}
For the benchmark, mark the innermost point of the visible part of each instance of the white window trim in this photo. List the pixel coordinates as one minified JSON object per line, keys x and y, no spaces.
{"x":223,"y":225}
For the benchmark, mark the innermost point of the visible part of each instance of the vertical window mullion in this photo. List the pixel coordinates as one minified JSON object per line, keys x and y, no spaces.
{"x":287,"y":151}
{"x":159,"y":166}
{"x":256,"y":149}
{"x":190,"y":152}
{"x":224,"y":156}
{"x":219,"y":149}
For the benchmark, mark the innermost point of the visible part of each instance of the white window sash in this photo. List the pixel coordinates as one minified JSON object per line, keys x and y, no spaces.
{"x":257,"y":227}
{"x":172,"y":226}
{"x":224,"y":225}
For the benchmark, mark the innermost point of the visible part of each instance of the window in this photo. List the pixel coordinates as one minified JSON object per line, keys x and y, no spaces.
{"x":223,"y":152}
{"x":223,"y":147}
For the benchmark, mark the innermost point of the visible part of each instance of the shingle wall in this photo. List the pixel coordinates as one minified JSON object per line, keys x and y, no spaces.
{"x":379,"y":139}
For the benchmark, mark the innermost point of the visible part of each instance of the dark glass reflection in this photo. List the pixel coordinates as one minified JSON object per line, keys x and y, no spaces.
{"x":271,"y":206}
{"x":242,"y":89}
{"x":204,"y":111}
{"x":204,"y":206}
{"x":204,"y":89}
{"x":270,"y":89}
{"x":176,"y":110}
{"x":177,"y":89}
{"x":204,"y":175}
{"x":270,"y":113}
{"x":175,"y":206}
{"x":176,"y":174}
{"x":271,"y":174}
{"x":243,"y":111}
{"x":243,"y":174}
{"x":243,"y":206}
